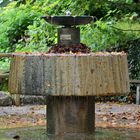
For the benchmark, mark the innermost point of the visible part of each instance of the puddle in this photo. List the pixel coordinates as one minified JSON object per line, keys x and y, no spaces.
{"x":39,"y":133}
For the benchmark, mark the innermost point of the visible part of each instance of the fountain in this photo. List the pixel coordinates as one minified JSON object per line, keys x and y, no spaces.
{"x":70,"y":81}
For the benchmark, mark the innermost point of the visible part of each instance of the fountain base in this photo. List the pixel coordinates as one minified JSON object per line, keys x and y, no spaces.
{"x":70,"y":114}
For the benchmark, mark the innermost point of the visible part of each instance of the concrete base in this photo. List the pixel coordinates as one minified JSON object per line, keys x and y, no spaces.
{"x":72,"y":114}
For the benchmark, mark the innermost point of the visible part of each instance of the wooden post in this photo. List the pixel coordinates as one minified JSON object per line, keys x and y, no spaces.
{"x":72,"y":114}
{"x":138,"y":94}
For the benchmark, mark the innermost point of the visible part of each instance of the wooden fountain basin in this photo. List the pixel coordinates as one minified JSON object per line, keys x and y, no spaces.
{"x":93,"y":74}
{"x":70,"y":83}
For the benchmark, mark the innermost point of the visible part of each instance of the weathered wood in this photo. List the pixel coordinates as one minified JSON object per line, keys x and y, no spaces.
{"x":92,"y":74}
{"x":6,"y":55}
{"x":74,"y":114}
{"x":16,"y":75}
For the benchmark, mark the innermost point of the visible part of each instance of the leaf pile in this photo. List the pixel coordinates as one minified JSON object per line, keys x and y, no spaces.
{"x":81,"y":48}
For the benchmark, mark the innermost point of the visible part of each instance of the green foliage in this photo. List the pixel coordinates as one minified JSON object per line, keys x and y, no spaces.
{"x":132,"y":47}
{"x":102,"y":35}
{"x":99,"y":36}
{"x":39,"y":37}
{"x":22,"y":29}
{"x":14,"y":22}
{"x":134,"y":58}
{"x":4,"y":85}
{"x":4,"y":65}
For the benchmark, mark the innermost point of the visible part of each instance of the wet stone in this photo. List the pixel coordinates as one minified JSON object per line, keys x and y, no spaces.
{"x":5,"y":99}
{"x":33,"y":100}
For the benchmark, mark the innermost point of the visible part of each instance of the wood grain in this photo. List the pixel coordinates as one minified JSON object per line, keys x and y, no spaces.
{"x":70,"y":115}
{"x":94,"y":74}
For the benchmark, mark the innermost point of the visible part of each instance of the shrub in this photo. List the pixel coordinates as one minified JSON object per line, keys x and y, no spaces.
{"x":14,"y":22}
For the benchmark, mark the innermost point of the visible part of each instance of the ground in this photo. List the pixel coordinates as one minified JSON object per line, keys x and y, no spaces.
{"x":118,"y":115}
{"x":107,"y":115}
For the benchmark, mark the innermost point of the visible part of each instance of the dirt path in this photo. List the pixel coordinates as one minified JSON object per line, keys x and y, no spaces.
{"x":107,"y":115}
{"x":118,"y":115}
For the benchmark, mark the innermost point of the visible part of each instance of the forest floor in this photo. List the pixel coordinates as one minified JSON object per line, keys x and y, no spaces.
{"x":107,"y":115}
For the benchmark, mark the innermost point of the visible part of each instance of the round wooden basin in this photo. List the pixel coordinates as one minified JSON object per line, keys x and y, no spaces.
{"x":93,"y":74}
